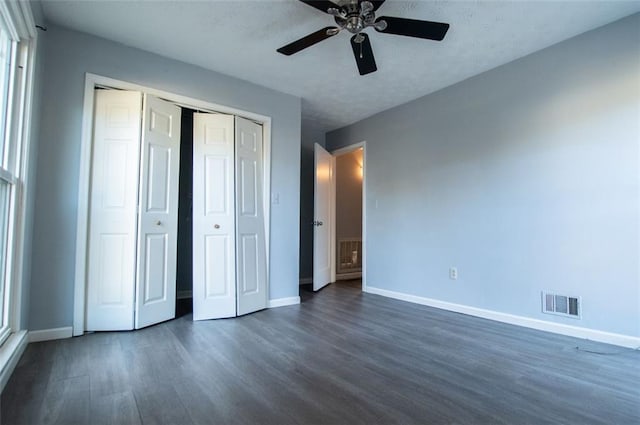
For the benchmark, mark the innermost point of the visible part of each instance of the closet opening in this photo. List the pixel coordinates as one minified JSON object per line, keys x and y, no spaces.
{"x":184,"y":261}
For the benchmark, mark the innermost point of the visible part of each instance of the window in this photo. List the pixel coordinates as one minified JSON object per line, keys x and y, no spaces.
{"x":6,"y":48}
{"x":17,"y":34}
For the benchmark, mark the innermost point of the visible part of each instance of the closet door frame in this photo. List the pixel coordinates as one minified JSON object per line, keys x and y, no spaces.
{"x":93,"y":81}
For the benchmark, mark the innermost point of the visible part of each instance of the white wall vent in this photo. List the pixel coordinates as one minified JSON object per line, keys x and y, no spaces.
{"x":563,"y":305}
{"x":349,"y":255}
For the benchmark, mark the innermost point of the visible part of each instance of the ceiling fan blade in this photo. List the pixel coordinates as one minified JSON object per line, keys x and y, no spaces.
{"x":307,"y":41}
{"x":414,"y":28}
{"x":363,"y":54}
{"x":322,"y":5}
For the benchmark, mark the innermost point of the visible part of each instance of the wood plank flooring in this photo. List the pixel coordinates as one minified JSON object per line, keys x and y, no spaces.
{"x":341,"y":357}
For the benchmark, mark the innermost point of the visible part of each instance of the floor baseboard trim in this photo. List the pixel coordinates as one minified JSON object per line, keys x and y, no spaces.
{"x":282,"y":302}
{"x":50,"y":334}
{"x":527,"y":322}
{"x":306,"y":280}
{"x":10,"y":353}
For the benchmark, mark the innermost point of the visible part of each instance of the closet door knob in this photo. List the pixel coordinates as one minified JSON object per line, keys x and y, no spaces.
{"x":158,"y":223}
{"x":216,"y":226}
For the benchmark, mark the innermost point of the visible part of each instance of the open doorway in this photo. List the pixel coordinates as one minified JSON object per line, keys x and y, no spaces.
{"x":340,"y":255}
{"x":349,"y":174}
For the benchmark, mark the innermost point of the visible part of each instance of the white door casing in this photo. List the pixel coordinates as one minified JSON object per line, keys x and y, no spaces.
{"x":214,"y":227}
{"x":250,"y":240}
{"x":158,"y":219}
{"x":113,"y":210}
{"x":323,"y":248}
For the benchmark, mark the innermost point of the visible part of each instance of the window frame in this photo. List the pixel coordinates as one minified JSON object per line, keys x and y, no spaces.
{"x":17,"y":19}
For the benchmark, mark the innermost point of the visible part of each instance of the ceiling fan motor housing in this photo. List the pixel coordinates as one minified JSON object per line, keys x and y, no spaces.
{"x":354,"y":16}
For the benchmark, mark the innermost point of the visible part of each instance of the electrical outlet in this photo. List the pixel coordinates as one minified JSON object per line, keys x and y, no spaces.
{"x":453,"y":273}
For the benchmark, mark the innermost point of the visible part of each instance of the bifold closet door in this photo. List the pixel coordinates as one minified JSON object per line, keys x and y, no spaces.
{"x":133,"y":211}
{"x":250,"y":240}
{"x":214,"y":263}
{"x":158,"y":220}
{"x":113,"y":210}
{"x":229,"y":247}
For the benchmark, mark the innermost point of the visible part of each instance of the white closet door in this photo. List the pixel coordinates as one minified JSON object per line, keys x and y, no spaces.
{"x":112,"y":217}
{"x":214,"y":264}
{"x":158,"y":222}
{"x":251,"y":245}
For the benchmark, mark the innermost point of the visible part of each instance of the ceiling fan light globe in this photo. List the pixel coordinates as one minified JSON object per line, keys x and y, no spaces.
{"x":366,"y":7}
{"x":333,"y":11}
{"x":380,"y":25}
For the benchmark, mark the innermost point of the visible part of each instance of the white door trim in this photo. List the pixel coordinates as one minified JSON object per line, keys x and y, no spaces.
{"x":342,"y":151}
{"x":91,"y":82}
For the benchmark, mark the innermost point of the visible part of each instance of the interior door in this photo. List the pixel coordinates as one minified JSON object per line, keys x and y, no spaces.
{"x":158,"y":220}
{"x":214,"y":227}
{"x":323,"y":217}
{"x":250,"y":240}
{"x":113,"y":204}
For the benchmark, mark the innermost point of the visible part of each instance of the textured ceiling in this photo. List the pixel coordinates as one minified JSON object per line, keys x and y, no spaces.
{"x":240,"y":38}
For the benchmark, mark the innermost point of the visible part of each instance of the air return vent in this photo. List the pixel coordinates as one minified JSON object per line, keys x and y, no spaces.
{"x":563,"y":305}
{"x":349,"y":255}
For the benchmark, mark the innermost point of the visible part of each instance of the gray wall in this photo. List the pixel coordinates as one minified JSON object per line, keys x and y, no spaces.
{"x":348,"y":196}
{"x":68,"y":56}
{"x":525,"y":177}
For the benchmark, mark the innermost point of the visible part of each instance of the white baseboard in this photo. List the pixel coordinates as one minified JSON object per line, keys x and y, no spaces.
{"x":306,"y":280}
{"x":184,"y":294}
{"x":10,"y":353}
{"x":281,"y":302}
{"x":527,"y":322}
{"x":50,"y":334}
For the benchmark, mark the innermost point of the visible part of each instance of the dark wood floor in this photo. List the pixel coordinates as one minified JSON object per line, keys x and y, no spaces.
{"x":341,"y":357}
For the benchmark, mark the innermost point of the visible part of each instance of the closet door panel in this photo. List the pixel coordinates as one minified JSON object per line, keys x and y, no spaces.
{"x":217,"y":261}
{"x":158,"y":220}
{"x":112,"y":210}
{"x":216,"y":184}
{"x":159,"y":188}
{"x":251,"y":249}
{"x":155,"y":275}
{"x":214,"y":275}
{"x":249,"y":260}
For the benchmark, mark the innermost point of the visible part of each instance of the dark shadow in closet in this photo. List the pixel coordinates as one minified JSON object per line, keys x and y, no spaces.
{"x":184,"y":266}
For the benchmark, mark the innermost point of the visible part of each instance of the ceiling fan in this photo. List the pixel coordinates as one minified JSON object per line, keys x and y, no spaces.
{"x":357,"y":15}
